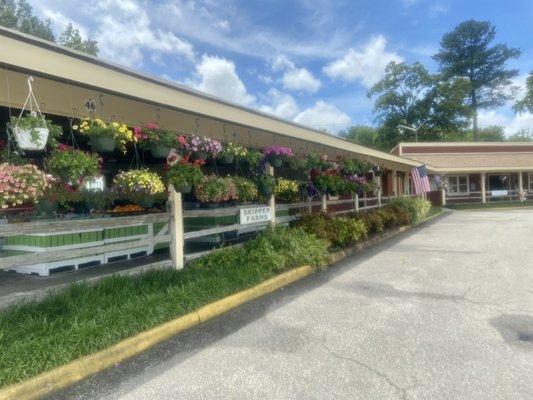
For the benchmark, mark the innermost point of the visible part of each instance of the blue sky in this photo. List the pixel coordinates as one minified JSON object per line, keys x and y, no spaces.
{"x":311,"y":61}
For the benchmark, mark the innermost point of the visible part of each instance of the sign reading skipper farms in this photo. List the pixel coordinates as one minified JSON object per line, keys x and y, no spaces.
{"x":255,"y":214}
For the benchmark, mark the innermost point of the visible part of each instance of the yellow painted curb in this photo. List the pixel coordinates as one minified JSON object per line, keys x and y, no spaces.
{"x":81,"y":368}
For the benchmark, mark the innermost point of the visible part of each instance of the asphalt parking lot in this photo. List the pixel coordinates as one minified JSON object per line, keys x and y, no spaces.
{"x":442,"y":312}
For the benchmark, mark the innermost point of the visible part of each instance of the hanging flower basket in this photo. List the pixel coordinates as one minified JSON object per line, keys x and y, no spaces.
{"x":159,"y":150}
{"x":183,"y":189}
{"x":226,"y":159}
{"x":103,"y":144}
{"x":145,"y":201}
{"x":33,"y":139}
{"x":276,"y":162}
{"x":199,"y":155}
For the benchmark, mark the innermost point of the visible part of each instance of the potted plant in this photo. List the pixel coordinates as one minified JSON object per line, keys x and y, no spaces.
{"x":213,"y":190}
{"x":266,"y":184}
{"x":287,"y":190}
{"x":98,"y":200}
{"x":21,"y":184}
{"x":231,"y":151}
{"x":184,"y":176}
{"x":105,"y":137}
{"x":201,"y":147}
{"x":73,"y":165}
{"x":139,"y":186}
{"x":246,"y":190}
{"x":252,"y":159}
{"x":33,"y":132}
{"x":275,"y":155}
{"x":158,"y":141}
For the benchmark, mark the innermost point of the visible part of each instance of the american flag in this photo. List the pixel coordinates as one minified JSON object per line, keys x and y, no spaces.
{"x":420,"y":179}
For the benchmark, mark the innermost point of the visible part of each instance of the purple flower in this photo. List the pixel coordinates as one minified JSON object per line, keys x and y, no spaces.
{"x":275,"y":150}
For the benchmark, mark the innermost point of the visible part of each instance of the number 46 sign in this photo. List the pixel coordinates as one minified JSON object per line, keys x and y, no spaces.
{"x":90,"y":106}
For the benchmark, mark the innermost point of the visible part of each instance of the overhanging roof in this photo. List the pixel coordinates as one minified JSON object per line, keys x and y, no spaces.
{"x":67,"y":78}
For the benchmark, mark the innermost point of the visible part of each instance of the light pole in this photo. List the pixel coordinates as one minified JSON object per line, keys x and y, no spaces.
{"x":415,"y":130}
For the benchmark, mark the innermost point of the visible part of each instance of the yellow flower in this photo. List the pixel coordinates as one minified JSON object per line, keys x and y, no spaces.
{"x":121,"y":129}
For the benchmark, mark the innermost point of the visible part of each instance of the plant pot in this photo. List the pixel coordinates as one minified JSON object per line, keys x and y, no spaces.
{"x":226,"y":159}
{"x":27,"y":141}
{"x":159,"y":150}
{"x":183,"y":189}
{"x":46,"y":206}
{"x":145,"y":202}
{"x":199,"y":155}
{"x":103,"y":144}
{"x":276,"y":162}
{"x":265,"y":190}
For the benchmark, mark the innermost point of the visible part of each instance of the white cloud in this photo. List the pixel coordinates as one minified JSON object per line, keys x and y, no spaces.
{"x":511,"y":124}
{"x":60,"y":22}
{"x":297,"y":79}
{"x":366,"y":66}
{"x":281,"y":104}
{"x":324,"y":116}
{"x":218,"y":77}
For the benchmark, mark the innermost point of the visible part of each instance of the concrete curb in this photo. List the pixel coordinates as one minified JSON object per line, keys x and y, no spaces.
{"x":81,"y":368}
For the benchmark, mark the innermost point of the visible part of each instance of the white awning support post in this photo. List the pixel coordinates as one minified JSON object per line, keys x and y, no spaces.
{"x":406,"y":184}
{"x":176,"y":229}
{"x":520,"y":186}
{"x":443,"y":190}
{"x":483,"y":190}
{"x":356,"y":202}
{"x":380,"y":189}
{"x":269,"y":170}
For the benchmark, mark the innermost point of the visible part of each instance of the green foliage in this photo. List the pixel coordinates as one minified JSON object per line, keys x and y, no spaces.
{"x":73,"y":165}
{"x":83,"y":319}
{"x":287,"y":190}
{"x":365,"y":136}
{"x":526,"y":103}
{"x":373,"y":221}
{"x":182,"y":175}
{"x":468,"y":52}
{"x":246,"y":189}
{"x":330,"y":184}
{"x":19,"y":16}
{"x":71,"y":38}
{"x":252,"y":158}
{"x":215,"y":189}
{"x":336,"y":231}
{"x":416,"y":207}
{"x":409,"y":95}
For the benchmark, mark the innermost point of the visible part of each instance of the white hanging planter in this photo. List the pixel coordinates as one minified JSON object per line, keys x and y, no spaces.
{"x":31,"y":139}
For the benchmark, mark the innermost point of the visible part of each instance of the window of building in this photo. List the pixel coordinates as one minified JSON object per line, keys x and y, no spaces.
{"x":458,"y":184}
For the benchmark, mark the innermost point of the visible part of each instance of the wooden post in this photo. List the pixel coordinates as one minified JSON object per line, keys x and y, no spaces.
{"x":176,"y":229}
{"x":380,"y":187}
{"x":394,"y":184}
{"x":356,"y":202}
{"x":269,"y":170}
{"x":365,"y":201}
{"x":483,"y":191}
{"x":323,"y":203}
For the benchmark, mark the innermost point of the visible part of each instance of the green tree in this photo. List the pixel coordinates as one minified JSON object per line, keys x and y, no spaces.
{"x":492,"y":133}
{"x":71,"y":38}
{"x":364,"y":135}
{"x":523,"y":135}
{"x":468,"y":52}
{"x":19,"y":16}
{"x":409,"y":95}
{"x":526,"y":104}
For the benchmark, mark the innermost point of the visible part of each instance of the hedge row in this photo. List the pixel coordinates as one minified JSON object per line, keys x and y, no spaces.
{"x":346,"y":231}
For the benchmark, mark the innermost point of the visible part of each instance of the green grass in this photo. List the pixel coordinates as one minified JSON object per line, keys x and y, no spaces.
{"x":83,"y":319}
{"x":496,"y":204}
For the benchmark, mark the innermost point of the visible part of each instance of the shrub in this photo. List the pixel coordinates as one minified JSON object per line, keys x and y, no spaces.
{"x":373,"y":221}
{"x":417,"y":208}
{"x":337,"y":231}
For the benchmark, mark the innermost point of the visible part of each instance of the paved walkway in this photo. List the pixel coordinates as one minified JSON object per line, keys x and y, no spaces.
{"x":444,"y":312}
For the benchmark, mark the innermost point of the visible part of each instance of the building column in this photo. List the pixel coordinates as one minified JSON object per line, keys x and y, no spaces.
{"x":483,"y":191}
{"x":520,"y":186}
{"x":394,"y":184}
{"x":406,"y":184}
{"x":443,"y":190}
